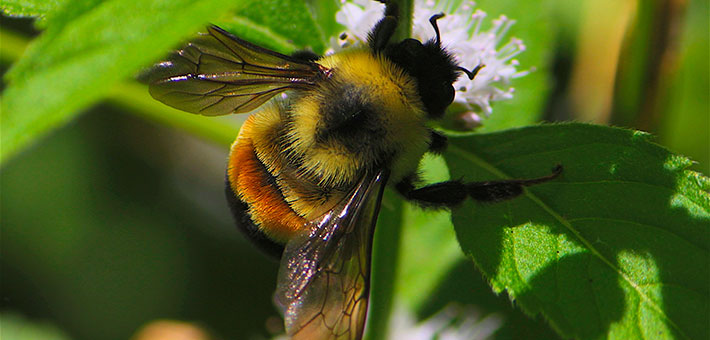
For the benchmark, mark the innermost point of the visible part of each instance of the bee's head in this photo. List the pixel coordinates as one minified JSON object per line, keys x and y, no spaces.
{"x":434,"y":68}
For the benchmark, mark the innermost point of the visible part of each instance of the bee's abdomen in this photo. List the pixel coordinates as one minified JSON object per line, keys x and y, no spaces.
{"x":243,"y":220}
{"x":256,"y":200}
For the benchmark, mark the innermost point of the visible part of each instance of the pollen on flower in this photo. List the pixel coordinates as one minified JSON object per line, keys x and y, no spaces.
{"x":462,"y":33}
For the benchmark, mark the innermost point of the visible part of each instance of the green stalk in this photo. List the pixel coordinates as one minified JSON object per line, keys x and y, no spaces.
{"x":385,"y":263}
{"x":406,"y":13}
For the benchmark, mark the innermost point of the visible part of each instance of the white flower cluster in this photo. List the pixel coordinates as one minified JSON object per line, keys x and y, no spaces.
{"x":461,"y":34}
{"x":454,"y":322}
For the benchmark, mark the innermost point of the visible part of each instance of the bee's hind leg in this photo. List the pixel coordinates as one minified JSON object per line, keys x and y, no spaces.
{"x":452,"y":193}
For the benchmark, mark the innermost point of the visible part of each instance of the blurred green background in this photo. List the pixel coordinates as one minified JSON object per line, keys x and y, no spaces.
{"x":118,"y":219}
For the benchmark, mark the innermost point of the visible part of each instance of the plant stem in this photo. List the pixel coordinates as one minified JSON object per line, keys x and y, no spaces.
{"x":406,"y":12}
{"x":385,"y":261}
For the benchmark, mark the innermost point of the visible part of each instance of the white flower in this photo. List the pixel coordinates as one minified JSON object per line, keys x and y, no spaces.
{"x":454,"y":322}
{"x":461,"y":34}
{"x":359,"y":16}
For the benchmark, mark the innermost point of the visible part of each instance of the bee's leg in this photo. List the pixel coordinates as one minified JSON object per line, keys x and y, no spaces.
{"x":452,"y":193}
{"x":496,"y":191}
{"x":438,"y":195}
{"x":384,"y":29}
{"x":438,"y":142}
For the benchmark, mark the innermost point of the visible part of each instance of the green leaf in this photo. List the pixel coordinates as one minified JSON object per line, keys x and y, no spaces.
{"x":28,"y":8}
{"x":283,"y":25}
{"x":616,"y":247}
{"x":324,"y":15}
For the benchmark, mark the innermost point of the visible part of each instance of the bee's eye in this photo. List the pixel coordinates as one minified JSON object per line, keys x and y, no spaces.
{"x":437,"y":100}
{"x":413,"y":47}
{"x":407,"y":54}
{"x":449,"y":94}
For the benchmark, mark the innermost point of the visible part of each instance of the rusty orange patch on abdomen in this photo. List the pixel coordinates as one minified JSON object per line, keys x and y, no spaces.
{"x":255,"y":186}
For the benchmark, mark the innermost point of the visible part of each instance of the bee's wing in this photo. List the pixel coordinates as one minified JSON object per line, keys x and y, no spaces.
{"x":218,"y":73}
{"x":324,"y":279}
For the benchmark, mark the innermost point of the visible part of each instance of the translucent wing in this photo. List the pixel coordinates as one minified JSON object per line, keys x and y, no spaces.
{"x":218,"y":73}
{"x":323,"y":284}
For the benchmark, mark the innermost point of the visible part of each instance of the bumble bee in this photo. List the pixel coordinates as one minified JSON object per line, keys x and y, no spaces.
{"x":306,"y":173}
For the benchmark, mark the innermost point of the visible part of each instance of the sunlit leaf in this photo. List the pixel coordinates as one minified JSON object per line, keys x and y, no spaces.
{"x":616,"y":247}
{"x":28,"y":8}
{"x":284,"y":25}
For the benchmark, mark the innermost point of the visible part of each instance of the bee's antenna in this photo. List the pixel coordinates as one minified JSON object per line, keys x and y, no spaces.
{"x":433,"y":20}
{"x":471,"y":74}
